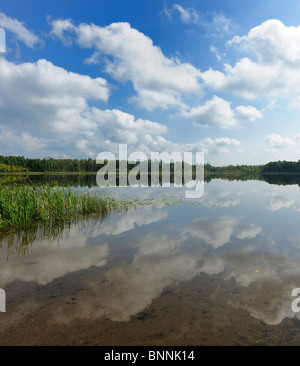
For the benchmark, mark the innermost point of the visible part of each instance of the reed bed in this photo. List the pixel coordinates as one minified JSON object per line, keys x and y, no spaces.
{"x":22,"y":205}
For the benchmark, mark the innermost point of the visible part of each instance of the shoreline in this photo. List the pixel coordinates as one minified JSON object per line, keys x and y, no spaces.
{"x":95,"y":173}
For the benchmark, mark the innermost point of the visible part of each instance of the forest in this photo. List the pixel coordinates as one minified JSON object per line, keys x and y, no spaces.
{"x":16,"y":164}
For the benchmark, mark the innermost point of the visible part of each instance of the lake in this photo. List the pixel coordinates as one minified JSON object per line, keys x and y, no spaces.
{"x":219,"y":270}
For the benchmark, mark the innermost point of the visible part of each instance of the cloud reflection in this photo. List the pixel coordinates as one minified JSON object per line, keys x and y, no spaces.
{"x":47,"y":262}
{"x":163,"y":250}
{"x":218,"y":231}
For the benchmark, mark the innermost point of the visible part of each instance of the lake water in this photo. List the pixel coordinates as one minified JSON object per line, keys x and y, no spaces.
{"x":219,"y":270}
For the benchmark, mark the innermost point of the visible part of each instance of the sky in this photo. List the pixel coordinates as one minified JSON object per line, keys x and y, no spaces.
{"x":78,"y":78}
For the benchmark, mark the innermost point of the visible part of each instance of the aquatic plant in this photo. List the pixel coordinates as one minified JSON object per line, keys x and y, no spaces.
{"x":22,"y":205}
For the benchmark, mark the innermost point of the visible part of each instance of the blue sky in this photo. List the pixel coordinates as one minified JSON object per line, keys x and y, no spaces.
{"x":222,"y":77}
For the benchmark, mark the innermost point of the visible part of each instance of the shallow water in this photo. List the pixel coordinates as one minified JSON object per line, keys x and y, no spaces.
{"x":219,"y":270}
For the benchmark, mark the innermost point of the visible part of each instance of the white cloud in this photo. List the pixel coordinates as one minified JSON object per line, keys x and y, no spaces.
{"x":217,"y":112}
{"x":187,"y":15}
{"x":2,"y":40}
{"x":166,"y":10}
{"x":216,"y":25}
{"x":59,"y":29}
{"x":276,"y":141}
{"x":273,"y":72}
{"x":207,"y":145}
{"x":247,"y":79}
{"x":19,"y":30}
{"x":222,"y":141}
{"x":115,"y":127}
{"x":271,"y":42}
{"x":215,"y":50}
{"x":150,"y":99}
{"x":132,"y":56}
{"x":54,"y":116}
{"x":222,"y":23}
{"x":219,"y":145}
{"x":49,"y":98}
{"x":248,"y":113}
{"x":295,"y":103}
{"x":25,"y":141}
{"x":53,"y":109}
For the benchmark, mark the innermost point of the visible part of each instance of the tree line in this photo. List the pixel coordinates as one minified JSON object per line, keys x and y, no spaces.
{"x":282,"y":167}
{"x":22,"y":164}
{"x":19,"y":163}
{"x":50,"y":164}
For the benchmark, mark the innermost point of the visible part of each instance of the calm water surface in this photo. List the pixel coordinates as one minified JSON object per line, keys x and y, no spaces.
{"x":215,"y":271}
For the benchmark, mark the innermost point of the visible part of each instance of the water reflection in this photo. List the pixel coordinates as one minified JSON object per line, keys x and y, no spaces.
{"x":42,"y":262}
{"x":243,"y":236}
{"x":133,"y":219}
{"x":218,"y":231}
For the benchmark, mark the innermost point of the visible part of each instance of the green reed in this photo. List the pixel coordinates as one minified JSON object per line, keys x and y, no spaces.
{"x":21,"y":205}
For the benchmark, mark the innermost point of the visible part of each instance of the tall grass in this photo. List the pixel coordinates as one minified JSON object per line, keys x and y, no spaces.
{"x":21,"y":205}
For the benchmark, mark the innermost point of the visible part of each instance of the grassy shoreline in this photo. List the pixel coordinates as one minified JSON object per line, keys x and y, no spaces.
{"x":24,"y":205}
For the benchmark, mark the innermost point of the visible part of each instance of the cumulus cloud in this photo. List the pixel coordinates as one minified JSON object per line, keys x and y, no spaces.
{"x":19,"y":30}
{"x":217,"y":112}
{"x":150,"y":99}
{"x":219,"y":145}
{"x":208,"y":145}
{"x":274,"y":69}
{"x":247,"y":79}
{"x":276,"y":142}
{"x":271,"y":42}
{"x":53,"y":105}
{"x":24,"y":140}
{"x":248,"y":113}
{"x":159,"y":81}
{"x":47,"y":97}
{"x":54,"y":116}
